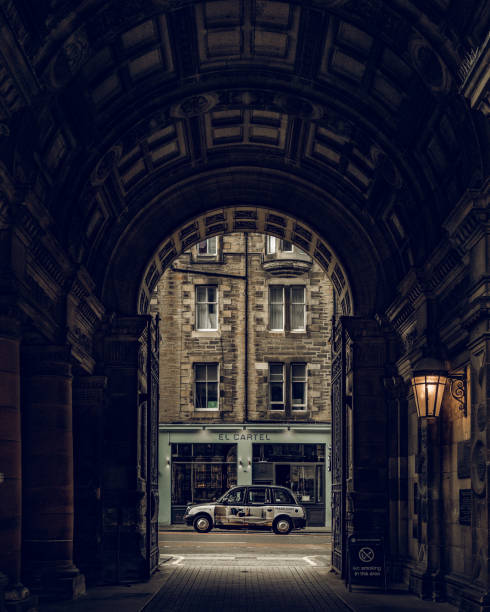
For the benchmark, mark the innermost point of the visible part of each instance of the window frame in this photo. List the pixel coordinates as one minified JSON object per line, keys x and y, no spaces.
{"x":290,"y":296}
{"x":271,"y":244}
{"x":208,"y":242}
{"x":207,"y":381}
{"x":207,"y":302}
{"x":283,"y":303}
{"x":298,"y":407}
{"x":283,"y":382}
{"x":287,"y":308}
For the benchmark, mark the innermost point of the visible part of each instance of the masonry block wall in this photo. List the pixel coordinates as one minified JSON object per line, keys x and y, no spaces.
{"x":242,"y":351}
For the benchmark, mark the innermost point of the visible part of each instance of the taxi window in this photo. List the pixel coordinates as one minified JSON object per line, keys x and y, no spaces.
{"x":236,"y":496}
{"x":257,"y":496}
{"x":281,"y":496}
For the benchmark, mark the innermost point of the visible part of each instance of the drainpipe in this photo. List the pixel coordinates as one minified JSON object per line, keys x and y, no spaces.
{"x":246,"y":330}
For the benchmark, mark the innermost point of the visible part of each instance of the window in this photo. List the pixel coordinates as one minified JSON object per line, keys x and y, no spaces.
{"x":235,"y":496}
{"x":298,"y":386}
{"x":297,"y":307}
{"x":290,"y":300}
{"x":258,"y":495}
{"x":271,"y":245}
{"x":276,"y":307}
{"x":282,"y":496}
{"x":208,"y":247}
{"x":206,"y":307}
{"x":206,"y":386}
{"x":276,"y":386}
{"x":276,"y":245}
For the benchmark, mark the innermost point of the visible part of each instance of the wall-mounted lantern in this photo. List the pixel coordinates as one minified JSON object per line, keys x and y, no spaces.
{"x":428,"y":388}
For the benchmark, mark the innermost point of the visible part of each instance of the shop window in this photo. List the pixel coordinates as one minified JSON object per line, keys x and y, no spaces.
{"x":287,"y":308}
{"x":276,"y":386}
{"x":202,"y":472}
{"x":208,"y":247}
{"x":206,"y":386}
{"x":297,"y":397}
{"x":298,"y":386}
{"x":206,"y":307}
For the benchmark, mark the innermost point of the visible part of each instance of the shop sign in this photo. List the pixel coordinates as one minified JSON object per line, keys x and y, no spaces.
{"x":236,"y":437}
{"x":366,"y":562}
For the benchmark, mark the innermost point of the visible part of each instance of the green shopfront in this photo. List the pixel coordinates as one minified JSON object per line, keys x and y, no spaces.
{"x":198,"y":463}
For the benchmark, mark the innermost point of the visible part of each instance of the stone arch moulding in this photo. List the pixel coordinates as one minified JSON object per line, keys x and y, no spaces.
{"x":245,"y":219}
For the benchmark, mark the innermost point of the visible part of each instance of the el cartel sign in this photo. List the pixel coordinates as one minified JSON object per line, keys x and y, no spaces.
{"x":366,"y":562}
{"x":255,"y":437}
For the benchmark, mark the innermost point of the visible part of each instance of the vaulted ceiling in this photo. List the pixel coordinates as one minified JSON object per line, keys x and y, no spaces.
{"x":138,"y":115}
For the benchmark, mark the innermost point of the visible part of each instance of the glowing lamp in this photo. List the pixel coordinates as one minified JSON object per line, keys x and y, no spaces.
{"x":428,"y":389}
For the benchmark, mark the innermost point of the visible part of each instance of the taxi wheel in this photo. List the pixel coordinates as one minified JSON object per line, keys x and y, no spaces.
{"x":203,"y":523}
{"x":282,"y":525}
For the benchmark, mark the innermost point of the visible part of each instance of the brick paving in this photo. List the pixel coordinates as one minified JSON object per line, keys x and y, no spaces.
{"x":240,"y":589}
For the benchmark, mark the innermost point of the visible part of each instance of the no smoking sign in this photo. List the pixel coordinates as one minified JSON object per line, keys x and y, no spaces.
{"x":366,"y":554}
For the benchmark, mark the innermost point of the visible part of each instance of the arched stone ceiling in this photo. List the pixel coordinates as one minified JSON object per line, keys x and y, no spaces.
{"x":356,"y":100}
{"x":244,"y":219}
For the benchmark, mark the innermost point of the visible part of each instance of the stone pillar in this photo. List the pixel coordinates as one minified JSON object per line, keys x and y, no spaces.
{"x":48,"y":473}
{"x":124,"y":501}
{"x":427,"y":577}
{"x":88,"y":438}
{"x":14,"y":593}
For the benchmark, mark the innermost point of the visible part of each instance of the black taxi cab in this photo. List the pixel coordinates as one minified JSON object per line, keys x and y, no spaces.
{"x":252,"y":506}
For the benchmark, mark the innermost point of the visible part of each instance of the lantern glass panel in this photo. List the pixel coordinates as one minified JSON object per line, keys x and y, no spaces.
{"x":428,"y":392}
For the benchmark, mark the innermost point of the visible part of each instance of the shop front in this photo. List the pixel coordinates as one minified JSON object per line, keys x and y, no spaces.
{"x":199,"y":463}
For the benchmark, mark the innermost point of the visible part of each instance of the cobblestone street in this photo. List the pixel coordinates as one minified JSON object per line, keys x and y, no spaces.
{"x":246,"y":589}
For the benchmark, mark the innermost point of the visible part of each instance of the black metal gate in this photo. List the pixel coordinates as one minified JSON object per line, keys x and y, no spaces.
{"x":148,"y":384}
{"x":152,"y":446}
{"x":338,"y":449}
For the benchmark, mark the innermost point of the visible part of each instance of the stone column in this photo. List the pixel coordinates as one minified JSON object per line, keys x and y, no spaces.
{"x":88,"y":437}
{"x":48,"y":473}
{"x":14,"y":593}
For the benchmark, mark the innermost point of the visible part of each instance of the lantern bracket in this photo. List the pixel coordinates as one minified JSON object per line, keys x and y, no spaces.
{"x":457,"y":388}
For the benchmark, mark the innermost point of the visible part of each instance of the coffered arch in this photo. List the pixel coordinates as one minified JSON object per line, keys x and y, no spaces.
{"x":245,"y":219}
{"x":245,"y":199}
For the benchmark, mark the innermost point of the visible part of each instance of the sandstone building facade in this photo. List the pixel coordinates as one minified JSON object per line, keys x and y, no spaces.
{"x":245,"y":326}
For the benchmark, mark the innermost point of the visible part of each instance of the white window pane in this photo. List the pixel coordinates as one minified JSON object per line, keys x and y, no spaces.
{"x":212,"y":395}
{"x":201,"y":293}
{"x":212,"y":245}
{"x":200,"y":372}
{"x":276,"y":294}
{"x":202,"y":317}
{"x":200,"y":395}
{"x":297,"y":316}
{"x":276,"y":316}
{"x":271,"y":244}
{"x":212,"y":318}
{"x":212,"y":372}
{"x":298,"y":393}
{"x":297,"y":294}
{"x":298,"y":370}
{"x":202,"y":248}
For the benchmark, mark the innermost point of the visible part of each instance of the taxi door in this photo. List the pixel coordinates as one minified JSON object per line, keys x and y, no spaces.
{"x":258,"y":506}
{"x":231,"y":510}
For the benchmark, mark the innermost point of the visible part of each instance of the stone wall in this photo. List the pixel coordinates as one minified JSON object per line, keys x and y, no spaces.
{"x":182,"y":345}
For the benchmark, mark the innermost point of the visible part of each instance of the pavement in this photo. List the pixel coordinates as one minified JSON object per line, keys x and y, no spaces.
{"x":256,"y":578}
